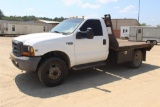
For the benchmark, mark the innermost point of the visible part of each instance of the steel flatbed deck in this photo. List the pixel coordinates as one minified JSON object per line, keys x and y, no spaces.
{"x":129,"y":45}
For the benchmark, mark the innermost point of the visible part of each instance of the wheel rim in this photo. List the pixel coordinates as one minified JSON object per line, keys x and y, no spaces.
{"x":155,"y":42}
{"x":54,"y":72}
{"x":137,"y":58}
{"x":148,"y":41}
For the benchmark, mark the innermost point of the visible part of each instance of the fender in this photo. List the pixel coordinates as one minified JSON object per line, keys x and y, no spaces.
{"x":43,"y":48}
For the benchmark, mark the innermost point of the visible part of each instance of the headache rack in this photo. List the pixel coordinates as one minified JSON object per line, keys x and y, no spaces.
{"x":113,"y":44}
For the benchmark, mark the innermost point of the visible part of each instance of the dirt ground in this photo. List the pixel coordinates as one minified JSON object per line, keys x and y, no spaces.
{"x":110,"y":86}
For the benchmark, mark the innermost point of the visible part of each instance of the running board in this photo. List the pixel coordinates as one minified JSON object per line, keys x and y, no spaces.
{"x":90,"y":65}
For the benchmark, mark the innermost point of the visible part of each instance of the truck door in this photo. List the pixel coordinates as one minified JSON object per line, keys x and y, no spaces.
{"x":91,"y":50}
{"x":139,"y":34}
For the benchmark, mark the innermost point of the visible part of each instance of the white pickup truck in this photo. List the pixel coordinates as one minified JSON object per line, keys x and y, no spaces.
{"x":76,"y":43}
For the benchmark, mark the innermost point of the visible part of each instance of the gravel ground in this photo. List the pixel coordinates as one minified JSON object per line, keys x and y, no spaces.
{"x":111,"y":85}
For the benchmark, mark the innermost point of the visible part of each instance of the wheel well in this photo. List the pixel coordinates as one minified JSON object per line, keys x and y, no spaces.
{"x":58,"y":54}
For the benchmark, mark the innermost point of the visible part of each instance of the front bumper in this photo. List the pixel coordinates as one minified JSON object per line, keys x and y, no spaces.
{"x":25,"y":63}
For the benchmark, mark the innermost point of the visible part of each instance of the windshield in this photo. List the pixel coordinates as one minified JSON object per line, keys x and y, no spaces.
{"x":67,"y":26}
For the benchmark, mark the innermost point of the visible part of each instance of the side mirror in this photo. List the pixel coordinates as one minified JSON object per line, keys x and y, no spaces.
{"x":90,"y":33}
{"x":85,"y":34}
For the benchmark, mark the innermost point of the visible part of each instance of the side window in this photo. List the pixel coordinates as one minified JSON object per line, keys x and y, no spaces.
{"x":95,"y":25}
{"x":139,"y":31}
{"x":13,"y":27}
{"x":44,"y":28}
{"x":123,"y":30}
{"x":5,"y":26}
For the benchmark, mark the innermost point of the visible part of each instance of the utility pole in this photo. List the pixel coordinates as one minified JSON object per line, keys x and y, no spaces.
{"x":139,"y":10}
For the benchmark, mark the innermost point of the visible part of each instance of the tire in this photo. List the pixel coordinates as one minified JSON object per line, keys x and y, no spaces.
{"x":137,"y":60}
{"x":52,"y":72}
{"x":148,"y":41}
{"x":155,"y":42}
{"x":126,"y":38}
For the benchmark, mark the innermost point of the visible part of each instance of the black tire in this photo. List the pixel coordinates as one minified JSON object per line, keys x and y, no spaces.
{"x":2,"y":35}
{"x":155,"y":42}
{"x":126,"y":38}
{"x":52,"y":72}
{"x":137,"y":59}
{"x":148,"y":41}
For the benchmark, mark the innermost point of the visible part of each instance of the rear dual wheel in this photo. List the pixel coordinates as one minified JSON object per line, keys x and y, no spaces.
{"x":137,"y":59}
{"x":148,"y":41}
{"x":155,"y":42}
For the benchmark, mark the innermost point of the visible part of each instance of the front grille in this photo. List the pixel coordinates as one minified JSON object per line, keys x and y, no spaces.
{"x":17,"y":48}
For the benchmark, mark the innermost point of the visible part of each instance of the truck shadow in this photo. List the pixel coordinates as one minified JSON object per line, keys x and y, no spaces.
{"x":29,"y":84}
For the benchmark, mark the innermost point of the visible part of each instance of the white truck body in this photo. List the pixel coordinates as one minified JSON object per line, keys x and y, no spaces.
{"x":74,"y":44}
{"x":79,"y":53}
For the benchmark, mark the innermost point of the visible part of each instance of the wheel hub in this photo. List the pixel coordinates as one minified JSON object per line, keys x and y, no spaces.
{"x":137,"y":59}
{"x":54,"y":72}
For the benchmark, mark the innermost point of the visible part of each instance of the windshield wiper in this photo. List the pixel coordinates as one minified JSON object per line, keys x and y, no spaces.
{"x":57,"y":32}
{"x":66,"y":33}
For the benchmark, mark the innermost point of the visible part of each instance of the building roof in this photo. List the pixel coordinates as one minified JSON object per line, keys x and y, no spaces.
{"x":23,"y":22}
{"x":125,"y":19}
{"x":49,"y":22}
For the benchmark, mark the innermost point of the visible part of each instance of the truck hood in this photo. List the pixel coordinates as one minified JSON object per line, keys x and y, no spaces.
{"x":32,"y":39}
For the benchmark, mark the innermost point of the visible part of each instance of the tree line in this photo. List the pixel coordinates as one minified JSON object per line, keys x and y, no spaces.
{"x":34,"y":18}
{"x":27,"y":18}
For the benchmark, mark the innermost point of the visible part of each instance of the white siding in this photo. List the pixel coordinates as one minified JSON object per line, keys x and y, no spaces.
{"x":148,"y":33}
{"x":24,"y":27}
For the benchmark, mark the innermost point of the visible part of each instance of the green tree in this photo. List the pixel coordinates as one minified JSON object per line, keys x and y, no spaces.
{"x":143,"y":24}
{"x":1,"y":14}
{"x":28,"y":18}
{"x":59,"y":19}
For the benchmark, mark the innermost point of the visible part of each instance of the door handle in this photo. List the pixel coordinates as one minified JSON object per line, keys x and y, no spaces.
{"x":104,"y":41}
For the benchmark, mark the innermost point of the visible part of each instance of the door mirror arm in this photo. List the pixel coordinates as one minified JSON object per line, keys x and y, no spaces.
{"x":85,"y":34}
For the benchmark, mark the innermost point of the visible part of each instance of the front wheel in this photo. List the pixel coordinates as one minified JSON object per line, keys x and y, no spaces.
{"x":137,"y":59}
{"x":148,"y":41}
{"x":52,"y":72}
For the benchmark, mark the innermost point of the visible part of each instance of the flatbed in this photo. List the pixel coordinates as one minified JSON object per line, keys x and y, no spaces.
{"x":125,"y":45}
{"x":123,"y":51}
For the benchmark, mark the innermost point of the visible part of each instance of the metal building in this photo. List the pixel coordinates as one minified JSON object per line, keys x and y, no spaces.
{"x":22,"y":27}
{"x":53,"y":23}
{"x":117,"y":23}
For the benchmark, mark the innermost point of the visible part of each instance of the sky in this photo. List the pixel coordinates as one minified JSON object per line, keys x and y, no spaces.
{"x":149,"y":9}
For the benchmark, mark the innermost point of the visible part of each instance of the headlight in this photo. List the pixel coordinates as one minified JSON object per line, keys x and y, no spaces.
{"x":28,"y":51}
